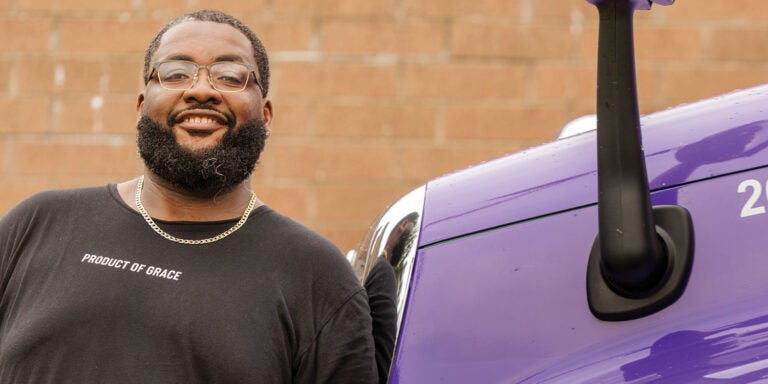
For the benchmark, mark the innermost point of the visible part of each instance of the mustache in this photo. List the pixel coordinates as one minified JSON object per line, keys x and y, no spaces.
{"x":231,"y":120}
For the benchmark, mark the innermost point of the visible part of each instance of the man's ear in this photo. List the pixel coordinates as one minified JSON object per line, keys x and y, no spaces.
{"x":140,"y":106}
{"x":267,"y":112}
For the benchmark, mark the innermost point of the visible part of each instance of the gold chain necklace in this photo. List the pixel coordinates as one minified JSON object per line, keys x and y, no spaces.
{"x":170,"y":237}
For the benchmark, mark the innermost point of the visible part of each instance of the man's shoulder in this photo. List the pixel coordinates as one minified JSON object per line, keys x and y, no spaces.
{"x":56,"y":200}
{"x":70,"y":195}
{"x":301,"y":250}
{"x":292,"y":233}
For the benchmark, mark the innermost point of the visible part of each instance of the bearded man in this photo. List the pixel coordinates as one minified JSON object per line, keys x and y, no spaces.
{"x":181,"y":275}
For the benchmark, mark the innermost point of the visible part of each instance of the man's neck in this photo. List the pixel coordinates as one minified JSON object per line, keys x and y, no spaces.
{"x":164,"y":202}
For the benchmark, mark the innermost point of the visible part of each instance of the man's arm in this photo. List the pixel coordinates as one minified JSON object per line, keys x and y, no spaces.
{"x":343,"y":351}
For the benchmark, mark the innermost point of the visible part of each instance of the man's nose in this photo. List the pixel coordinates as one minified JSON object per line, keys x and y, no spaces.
{"x":202,"y":90}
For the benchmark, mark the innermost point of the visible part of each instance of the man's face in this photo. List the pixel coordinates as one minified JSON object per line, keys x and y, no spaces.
{"x":199,"y":117}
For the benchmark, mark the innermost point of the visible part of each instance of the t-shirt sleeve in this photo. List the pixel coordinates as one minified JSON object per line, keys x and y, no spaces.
{"x":12,"y":227}
{"x":343,"y":350}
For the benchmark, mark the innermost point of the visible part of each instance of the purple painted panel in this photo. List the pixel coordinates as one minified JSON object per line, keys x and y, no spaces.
{"x":510,"y":305}
{"x":691,"y":142}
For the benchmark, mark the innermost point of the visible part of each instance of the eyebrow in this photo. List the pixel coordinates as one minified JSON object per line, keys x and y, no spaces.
{"x":181,"y":56}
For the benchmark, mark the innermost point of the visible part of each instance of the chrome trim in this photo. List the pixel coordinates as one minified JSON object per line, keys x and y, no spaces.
{"x":387,"y":249}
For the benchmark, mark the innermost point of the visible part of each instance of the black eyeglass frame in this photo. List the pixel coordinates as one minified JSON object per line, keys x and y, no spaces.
{"x":251,"y":71}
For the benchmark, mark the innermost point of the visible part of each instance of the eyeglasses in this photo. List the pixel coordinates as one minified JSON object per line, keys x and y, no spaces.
{"x":224,"y":76}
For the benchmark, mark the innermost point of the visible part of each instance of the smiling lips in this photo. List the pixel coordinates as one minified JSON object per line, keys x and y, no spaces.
{"x":201,"y":122}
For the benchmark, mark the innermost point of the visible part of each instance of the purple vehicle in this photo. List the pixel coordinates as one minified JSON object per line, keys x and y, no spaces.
{"x":643,"y":264}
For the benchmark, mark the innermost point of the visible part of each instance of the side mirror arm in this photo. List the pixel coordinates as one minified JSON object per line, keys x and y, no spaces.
{"x":641,"y":258}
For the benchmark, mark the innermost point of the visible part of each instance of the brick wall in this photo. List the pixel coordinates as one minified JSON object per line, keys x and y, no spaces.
{"x":372,"y":97}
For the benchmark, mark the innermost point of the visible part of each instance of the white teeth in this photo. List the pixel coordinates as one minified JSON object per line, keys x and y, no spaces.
{"x":199,"y":120}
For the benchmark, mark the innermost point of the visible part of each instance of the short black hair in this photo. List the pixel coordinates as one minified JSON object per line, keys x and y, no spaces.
{"x":259,"y":52}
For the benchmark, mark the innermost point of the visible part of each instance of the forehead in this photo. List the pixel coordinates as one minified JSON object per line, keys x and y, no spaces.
{"x":204,"y":42}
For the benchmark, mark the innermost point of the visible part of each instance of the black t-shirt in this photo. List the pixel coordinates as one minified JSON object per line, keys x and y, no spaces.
{"x":89,"y":293}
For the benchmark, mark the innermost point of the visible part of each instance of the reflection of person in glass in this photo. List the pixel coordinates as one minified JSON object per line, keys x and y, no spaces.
{"x":381,"y":285}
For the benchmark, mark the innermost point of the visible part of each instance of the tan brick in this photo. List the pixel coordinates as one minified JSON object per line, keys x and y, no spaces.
{"x":6,"y":66}
{"x":490,"y":123}
{"x":345,"y":201}
{"x":264,"y":168}
{"x":463,"y":8}
{"x":283,"y":34}
{"x":235,"y":8}
{"x":123,"y":75}
{"x":374,"y":37}
{"x":581,"y":108}
{"x":400,"y":121}
{"x":119,"y":115}
{"x":427,"y":162}
{"x":672,"y":43}
{"x":24,"y":34}
{"x":668,"y":43}
{"x":25,"y":115}
{"x":3,"y":151}
{"x":49,"y":75}
{"x":74,"y":5}
{"x":292,"y":118}
{"x":333,"y":161}
{"x":335,"y":7}
{"x":564,"y":11}
{"x":290,"y":200}
{"x":172,"y":7}
{"x":454,"y":81}
{"x":332,"y":79}
{"x":684,"y":83}
{"x":740,"y":44}
{"x":691,"y":11}
{"x":69,"y":158}
{"x":79,"y":181}
{"x":588,"y":43}
{"x":563,"y":80}
{"x":17,"y":189}
{"x":74,"y":115}
{"x":648,"y":82}
{"x":106,"y":35}
{"x":502,"y":40}
{"x":96,"y":114}
{"x":36,"y":75}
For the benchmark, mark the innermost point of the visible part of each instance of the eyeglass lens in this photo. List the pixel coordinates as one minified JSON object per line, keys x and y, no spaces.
{"x":224,"y":76}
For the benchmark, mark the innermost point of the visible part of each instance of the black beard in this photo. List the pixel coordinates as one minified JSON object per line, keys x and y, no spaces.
{"x":206,"y":172}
